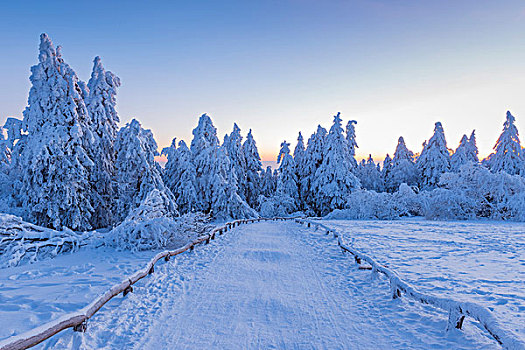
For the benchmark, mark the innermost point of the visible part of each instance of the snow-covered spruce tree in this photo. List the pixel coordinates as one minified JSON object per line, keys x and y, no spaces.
{"x":54,"y":162}
{"x":216,"y":182}
{"x":369,"y":175}
{"x":314,"y":158}
{"x":464,"y":153}
{"x":333,"y":180}
{"x":179,"y":176}
{"x":268,"y":183}
{"x":233,"y":145}
{"x":204,"y":148}
{"x":226,"y":202}
{"x":286,"y":194}
{"x":136,"y":172}
{"x":386,"y":171}
{"x":101,"y":104}
{"x":352,"y":143}
{"x":472,"y":150}
{"x":508,"y":155}
{"x":403,"y":168}
{"x":301,"y":170}
{"x":252,"y":185}
{"x":434,"y":159}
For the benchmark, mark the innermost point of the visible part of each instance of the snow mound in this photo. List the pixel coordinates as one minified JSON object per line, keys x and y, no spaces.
{"x":154,"y":225}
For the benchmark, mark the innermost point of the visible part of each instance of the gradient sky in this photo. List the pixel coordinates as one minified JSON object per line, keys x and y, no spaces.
{"x":280,"y":67}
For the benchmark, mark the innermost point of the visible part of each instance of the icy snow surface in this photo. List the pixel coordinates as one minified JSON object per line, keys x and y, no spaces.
{"x":479,"y":261}
{"x":267,"y":285}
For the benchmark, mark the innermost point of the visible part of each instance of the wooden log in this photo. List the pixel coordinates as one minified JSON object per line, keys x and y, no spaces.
{"x":81,"y":327}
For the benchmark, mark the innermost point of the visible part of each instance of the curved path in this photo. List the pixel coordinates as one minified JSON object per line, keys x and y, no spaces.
{"x":270,"y":285}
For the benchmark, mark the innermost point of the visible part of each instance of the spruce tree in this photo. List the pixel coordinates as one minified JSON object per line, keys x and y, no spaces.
{"x":101,"y":105}
{"x":268,"y":183}
{"x":204,"y":148}
{"x":299,"y":156}
{"x":508,"y":154}
{"x":459,"y":157}
{"x":253,"y":170}
{"x":54,"y":160}
{"x":434,"y":159}
{"x":286,"y":192}
{"x":352,"y":143}
{"x":314,"y":158}
{"x":179,"y":176}
{"x":386,"y":173}
{"x":403,"y":168}
{"x":136,"y":172}
{"x":472,"y":150}
{"x":333,"y":180}
{"x":233,"y":145}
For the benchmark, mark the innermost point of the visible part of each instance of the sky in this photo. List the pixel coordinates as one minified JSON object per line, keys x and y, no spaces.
{"x":280,"y":67}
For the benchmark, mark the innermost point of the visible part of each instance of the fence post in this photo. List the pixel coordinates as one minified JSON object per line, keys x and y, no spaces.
{"x":455,"y":318}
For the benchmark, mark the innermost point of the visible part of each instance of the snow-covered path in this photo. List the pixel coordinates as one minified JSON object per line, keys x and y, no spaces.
{"x":268,"y":285}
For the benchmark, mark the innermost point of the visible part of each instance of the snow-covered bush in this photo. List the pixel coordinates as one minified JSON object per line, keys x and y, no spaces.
{"x":476,"y":192}
{"x":362,"y":204}
{"x":153,"y":225}
{"x":407,"y":202}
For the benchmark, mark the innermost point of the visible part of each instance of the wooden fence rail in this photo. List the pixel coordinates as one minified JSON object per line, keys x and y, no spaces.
{"x":457,"y":310}
{"x":78,"y":320}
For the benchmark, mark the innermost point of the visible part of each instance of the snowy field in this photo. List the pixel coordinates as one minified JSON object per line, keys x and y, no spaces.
{"x":266,"y":285}
{"x":31,"y":295}
{"x":479,"y":261}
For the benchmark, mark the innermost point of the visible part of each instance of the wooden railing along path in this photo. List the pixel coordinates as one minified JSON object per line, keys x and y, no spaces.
{"x":457,"y":310}
{"x":78,"y":320}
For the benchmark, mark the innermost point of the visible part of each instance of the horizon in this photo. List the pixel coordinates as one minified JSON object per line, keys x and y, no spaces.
{"x":281,"y":68}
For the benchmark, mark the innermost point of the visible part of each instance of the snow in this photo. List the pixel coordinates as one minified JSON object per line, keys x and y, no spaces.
{"x":481,"y":262}
{"x":265,"y":285}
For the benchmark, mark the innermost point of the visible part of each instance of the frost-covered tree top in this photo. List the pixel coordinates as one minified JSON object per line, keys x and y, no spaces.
{"x":136,"y":172}
{"x":434,"y":159}
{"x":55,"y":163}
{"x":351,"y":140}
{"x":402,"y":152}
{"x":508,"y":154}
{"x":333,"y":180}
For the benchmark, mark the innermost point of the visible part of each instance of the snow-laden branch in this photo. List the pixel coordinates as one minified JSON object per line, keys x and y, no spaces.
{"x":457,"y":309}
{"x":22,"y":241}
{"x":78,"y":320}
